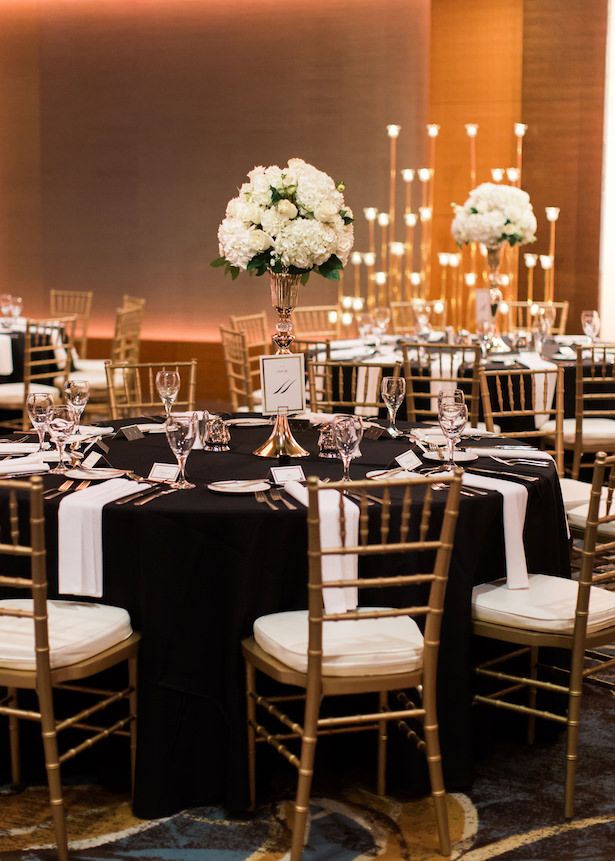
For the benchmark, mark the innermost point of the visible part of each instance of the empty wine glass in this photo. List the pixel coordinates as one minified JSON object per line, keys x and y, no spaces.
{"x":393,"y":390}
{"x":365,"y":325}
{"x":182,"y":430}
{"x":39,"y":409}
{"x":60,"y":426}
{"x":5,"y":309}
{"x":454,"y":396}
{"x":16,"y":306}
{"x":453,"y":419}
{"x":380,"y":321}
{"x":590,"y":321}
{"x":485,"y":334}
{"x":422,"y":314}
{"x":168,"y":383}
{"x":348,"y":432}
{"x":77,"y":393}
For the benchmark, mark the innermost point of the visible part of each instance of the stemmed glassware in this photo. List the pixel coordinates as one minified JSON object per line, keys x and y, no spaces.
{"x":61,"y":425}
{"x":453,"y":418}
{"x":456,"y":396}
{"x":16,"y":307}
{"x":6,"y":301}
{"x":380,"y":320}
{"x":590,"y":321}
{"x":182,"y":430}
{"x":393,"y":390}
{"x":168,"y":383}
{"x":77,"y":393}
{"x":39,"y":409}
{"x":348,"y":432}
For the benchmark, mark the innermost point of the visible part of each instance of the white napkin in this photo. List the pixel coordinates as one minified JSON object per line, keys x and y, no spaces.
{"x":152,"y":428}
{"x":18,"y":447}
{"x":90,"y":430}
{"x":6,"y":355}
{"x":525,"y":453}
{"x":80,"y":549}
{"x":515,"y":504}
{"x":334,"y":567}
{"x":367,"y":390}
{"x":349,"y":353}
{"x":30,"y":463}
{"x":535,"y":363}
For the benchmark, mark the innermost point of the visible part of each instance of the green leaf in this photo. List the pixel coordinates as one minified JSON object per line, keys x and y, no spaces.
{"x":304,"y":278}
{"x":218,"y":262}
{"x":275,"y":194}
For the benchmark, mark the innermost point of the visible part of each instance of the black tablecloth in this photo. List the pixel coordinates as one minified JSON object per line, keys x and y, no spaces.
{"x":195,"y":568}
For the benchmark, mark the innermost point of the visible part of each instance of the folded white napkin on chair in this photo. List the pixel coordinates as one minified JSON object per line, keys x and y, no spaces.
{"x":536,"y":363}
{"x":515,"y":504}
{"x":447,"y":365}
{"x":80,"y":549}
{"x":6,"y":355}
{"x":334,"y":567}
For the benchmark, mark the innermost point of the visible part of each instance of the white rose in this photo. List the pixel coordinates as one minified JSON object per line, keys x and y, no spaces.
{"x":259,"y":241}
{"x":325,"y":211}
{"x":287,"y":209}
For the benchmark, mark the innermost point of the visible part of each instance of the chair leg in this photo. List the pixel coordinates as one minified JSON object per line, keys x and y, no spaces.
{"x":382,"y":745}
{"x":438,"y":793}
{"x":576,"y":464}
{"x":306,"y":771}
{"x":132,"y":704}
{"x":531,"y":723}
{"x":251,"y":712}
{"x":52,"y":765}
{"x":14,"y":739}
{"x":572,"y":735}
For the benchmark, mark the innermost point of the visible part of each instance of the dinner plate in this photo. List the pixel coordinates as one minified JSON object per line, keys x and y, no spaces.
{"x":248,"y":423}
{"x":460,"y":456}
{"x":242,"y":486}
{"x":95,"y":474}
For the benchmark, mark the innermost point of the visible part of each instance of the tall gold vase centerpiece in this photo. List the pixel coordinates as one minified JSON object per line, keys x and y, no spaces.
{"x":495,"y":215}
{"x":286,"y":222}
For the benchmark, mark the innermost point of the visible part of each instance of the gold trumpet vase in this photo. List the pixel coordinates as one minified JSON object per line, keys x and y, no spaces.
{"x":494,"y":255}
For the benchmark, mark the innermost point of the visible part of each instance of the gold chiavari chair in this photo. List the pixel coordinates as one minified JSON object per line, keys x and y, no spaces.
{"x":77,"y":303}
{"x":404,"y":315}
{"x":429,"y":368}
{"x":347,"y":386}
{"x":325,"y":652}
{"x":242,"y":377}
{"x":557,"y":613}
{"x":530,"y":395}
{"x":255,"y":327}
{"x":316,"y":322}
{"x":48,"y":646}
{"x":129,"y":301}
{"x":523,"y":315}
{"x":48,"y":348}
{"x":131,"y":387}
{"x":593,"y":427}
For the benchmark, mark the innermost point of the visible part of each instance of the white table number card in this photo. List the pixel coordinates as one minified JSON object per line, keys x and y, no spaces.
{"x":483,"y":305}
{"x":282,"y":381}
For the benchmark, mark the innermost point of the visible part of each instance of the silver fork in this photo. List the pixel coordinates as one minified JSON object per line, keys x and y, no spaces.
{"x":66,"y":485}
{"x":276,"y":495}
{"x":260,"y":496}
{"x":511,"y":461}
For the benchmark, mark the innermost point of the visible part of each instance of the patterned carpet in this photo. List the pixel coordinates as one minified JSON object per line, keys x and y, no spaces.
{"x":513,"y":812}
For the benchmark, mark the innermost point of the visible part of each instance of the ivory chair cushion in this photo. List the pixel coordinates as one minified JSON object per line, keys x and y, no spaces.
{"x":354,"y":648}
{"x":76,"y":631}
{"x":574,"y":492}
{"x":12,"y":394}
{"x":92,"y":370}
{"x":548,"y":604}
{"x":595,"y":431}
{"x":578,"y":516}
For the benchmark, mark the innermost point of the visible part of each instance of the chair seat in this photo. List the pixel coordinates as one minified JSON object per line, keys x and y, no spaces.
{"x":577,"y":517}
{"x":77,"y":631}
{"x":353,"y":648}
{"x":12,"y":394}
{"x":595,"y":431}
{"x":548,"y":604}
{"x":574,"y":492}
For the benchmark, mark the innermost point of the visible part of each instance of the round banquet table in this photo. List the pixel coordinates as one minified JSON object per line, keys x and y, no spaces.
{"x":196,"y":568}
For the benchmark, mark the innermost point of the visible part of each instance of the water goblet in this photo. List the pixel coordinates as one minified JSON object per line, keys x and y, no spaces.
{"x":39,"y":408}
{"x":348,"y":432}
{"x":453,"y":419}
{"x":590,"y":321}
{"x":5,"y":309}
{"x":77,"y":393}
{"x":455,"y":396}
{"x":393,"y":390}
{"x":167,"y":384}
{"x":16,"y":307}
{"x":380,"y":318}
{"x":365,"y":325}
{"x":60,"y":426}
{"x":181,"y":430}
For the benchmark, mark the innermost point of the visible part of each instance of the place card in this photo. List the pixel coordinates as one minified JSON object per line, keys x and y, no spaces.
{"x":132,"y":432}
{"x":283,"y":383}
{"x":163,"y":472}
{"x":282,"y":474}
{"x":91,"y":460}
{"x":408,"y":460}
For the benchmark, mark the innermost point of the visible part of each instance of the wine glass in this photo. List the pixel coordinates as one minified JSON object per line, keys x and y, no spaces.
{"x":365,"y":325}
{"x":393,"y":390}
{"x":590,"y":321}
{"x":348,"y":431}
{"x":548,"y":312}
{"x":77,"y":393}
{"x":422,"y":313}
{"x":485,"y":334}
{"x":5,"y":309}
{"x":453,"y":419}
{"x":39,"y":409}
{"x":168,"y":383}
{"x":456,"y":396}
{"x":380,"y":321}
{"x":16,"y":307}
{"x":60,"y":426}
{"x":182,"y":430}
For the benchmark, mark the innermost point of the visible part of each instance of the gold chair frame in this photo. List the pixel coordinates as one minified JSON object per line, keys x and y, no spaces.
{"x":403,"y":315}
{"x":521,"y":316}
{"x":576,"y":642}
{"x":255,"y":327}
{"x":131,"y":387}
{"x":44,"y":680}
{"x":77,"y":303}
{"x":311,"y":323}
{"x":241,"y":376}
{"x":594,"y":383}
{"x":316,"y":684}
{"x":129,"y":301}
{"x":326,"y":377}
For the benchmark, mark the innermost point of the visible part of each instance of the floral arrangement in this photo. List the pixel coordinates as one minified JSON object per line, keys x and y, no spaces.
{"x":494,"y":214}
{"x":286,"y":220}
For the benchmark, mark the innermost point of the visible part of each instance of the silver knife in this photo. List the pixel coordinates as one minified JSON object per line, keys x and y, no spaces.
{"x":155,"y":485}
{"x":158,"y":493}
{"x":496,"y":472}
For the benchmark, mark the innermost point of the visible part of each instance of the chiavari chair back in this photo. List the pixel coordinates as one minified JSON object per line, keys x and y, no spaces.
{"x":64,"y":303}
{"x":335,"y":386}
{"x":560,"y":614}
{"x":126,"y":343}
{"x":430,"y":368}
{"x":338,"y":648}
{"x":51,"y":645}
{"x":404,"y":314}
{"x":242,"y":376}
{"x":316,"y":322}
{"x":535,"y":397}
{"x":524,"y":315}
{"x":131,"y":387}
{"x":255,"y":327}
{"x":129,"y":301}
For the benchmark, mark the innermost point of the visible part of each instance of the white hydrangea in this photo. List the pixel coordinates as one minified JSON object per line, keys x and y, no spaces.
{"x":494,"y":214}
{"x":297,"y":212}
